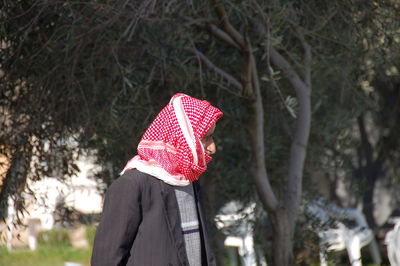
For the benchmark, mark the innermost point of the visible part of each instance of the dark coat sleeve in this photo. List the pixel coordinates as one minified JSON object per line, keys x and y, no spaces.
{"x":119,"y":222}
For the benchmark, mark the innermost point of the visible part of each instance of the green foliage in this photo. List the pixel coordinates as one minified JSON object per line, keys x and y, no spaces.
{"x":47,"y":255}
{"x":90,"y":234}
{"x":57,"y":237}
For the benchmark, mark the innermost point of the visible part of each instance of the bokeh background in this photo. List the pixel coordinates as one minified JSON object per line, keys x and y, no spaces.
{"x":310,"y":92}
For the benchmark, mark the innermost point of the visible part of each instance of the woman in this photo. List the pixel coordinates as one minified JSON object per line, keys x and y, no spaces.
{"x":153,"y":213}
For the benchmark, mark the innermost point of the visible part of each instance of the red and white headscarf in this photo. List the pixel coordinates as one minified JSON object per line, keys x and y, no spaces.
{"x":171,"y":148}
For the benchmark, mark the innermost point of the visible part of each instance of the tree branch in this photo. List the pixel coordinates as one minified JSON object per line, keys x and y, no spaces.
{"x":220,"y":34}
{"x":301,"y":134}
{"x":223,"y":36}
{"x":251,"y":86}
{"x":303,"y":121}
{"x":307,"y":52}
{"x":216,"y":69}
{"x":226,"y":25}
{"x":264,"y":188}
{"x":287,"y":69}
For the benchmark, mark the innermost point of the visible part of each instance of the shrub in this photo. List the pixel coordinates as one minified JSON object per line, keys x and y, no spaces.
{"x":54,"y":237}
{"x":90,"y":233}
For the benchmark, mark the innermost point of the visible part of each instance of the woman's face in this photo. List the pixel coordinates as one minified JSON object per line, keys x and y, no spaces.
{"x":208,"y":141}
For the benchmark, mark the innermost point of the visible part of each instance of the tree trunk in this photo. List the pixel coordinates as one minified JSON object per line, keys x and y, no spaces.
{"x":370,"y":170}
{"x":371,"y":174}
{"x":15,"y":179}
{"x":282,"y":238}
{"x":368,"y":207}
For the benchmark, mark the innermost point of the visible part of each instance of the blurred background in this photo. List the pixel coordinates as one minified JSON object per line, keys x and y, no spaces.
{"x":308,"y":148}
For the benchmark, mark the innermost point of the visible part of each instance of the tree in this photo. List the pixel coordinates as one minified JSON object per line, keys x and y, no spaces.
{"x":377,"y":153}
{"x":53,"y":89}
{"x":283,"y":213}
{"x":367,"y":152}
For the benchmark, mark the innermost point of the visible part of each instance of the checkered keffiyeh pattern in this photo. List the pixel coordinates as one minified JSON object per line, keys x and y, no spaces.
{"x":171,"y":149}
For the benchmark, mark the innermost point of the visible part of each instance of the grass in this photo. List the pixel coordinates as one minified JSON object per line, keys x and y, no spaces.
{"x":54,"y":255}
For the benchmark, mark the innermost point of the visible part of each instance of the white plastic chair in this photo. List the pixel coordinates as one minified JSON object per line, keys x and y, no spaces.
{"x":392,"y":240}
{"x":342,"y":237}
{"x":237,"y":224}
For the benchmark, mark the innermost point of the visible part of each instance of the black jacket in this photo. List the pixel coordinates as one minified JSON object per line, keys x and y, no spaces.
{"x":140,"y":225}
